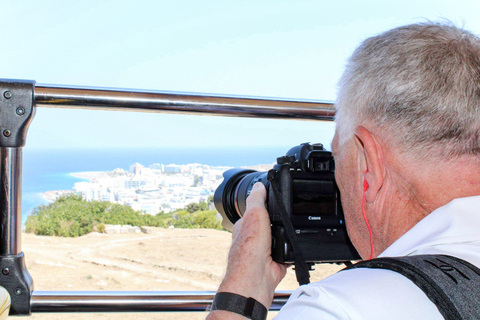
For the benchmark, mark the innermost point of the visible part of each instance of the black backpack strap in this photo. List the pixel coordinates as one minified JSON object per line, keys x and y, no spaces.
{"x":452,"y":284}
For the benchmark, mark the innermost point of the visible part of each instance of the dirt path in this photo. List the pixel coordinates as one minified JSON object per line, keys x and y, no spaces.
{"x":165,"y":260}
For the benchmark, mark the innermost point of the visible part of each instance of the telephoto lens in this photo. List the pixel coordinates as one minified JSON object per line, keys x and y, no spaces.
{"x":230,"y":198}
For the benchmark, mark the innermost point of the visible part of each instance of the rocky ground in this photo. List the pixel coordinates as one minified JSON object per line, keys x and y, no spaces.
{"x":164,"y":260}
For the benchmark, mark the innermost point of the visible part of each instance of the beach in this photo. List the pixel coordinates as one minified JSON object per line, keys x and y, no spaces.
{"x":163,"y":260}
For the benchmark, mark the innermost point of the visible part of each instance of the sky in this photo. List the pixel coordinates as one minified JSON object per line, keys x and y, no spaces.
{"x":291,"y":49}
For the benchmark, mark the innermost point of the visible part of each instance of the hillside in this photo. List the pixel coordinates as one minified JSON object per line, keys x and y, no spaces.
{"x":166,"y":259}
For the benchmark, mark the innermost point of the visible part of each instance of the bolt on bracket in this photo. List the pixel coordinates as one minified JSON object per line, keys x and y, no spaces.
{"x":16,"y":111}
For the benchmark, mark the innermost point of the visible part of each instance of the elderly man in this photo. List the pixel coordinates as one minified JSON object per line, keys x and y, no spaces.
{"x":407,"y":153}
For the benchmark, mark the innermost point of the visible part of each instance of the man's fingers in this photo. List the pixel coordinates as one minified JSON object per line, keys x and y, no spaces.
{"x":255,"y":202}
{"x":257,"y":197}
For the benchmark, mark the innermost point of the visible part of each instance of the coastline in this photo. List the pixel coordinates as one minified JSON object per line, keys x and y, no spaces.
{"x":51,"y":196}
{"x":59,"y":169}
{"x":95,"y":176}
{"x":87,"y":175}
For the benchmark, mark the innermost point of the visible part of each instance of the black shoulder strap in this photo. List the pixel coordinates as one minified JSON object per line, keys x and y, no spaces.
{"x":452,"y":284}
{"x":301,"y":267}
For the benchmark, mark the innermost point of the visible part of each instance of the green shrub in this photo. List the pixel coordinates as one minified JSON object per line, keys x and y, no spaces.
{"x":71,"y":216}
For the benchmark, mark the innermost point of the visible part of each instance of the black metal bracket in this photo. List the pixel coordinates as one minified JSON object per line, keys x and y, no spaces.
{"x":18,"y":282}
{"x":16,"y":111}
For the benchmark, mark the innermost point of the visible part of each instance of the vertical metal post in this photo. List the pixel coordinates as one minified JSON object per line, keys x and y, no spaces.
{"x":16,"y":113}
{"x":10,"y":201}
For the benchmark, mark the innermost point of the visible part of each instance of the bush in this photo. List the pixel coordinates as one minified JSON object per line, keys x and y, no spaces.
{"x":71,"y":216}
{"x":198,"y":219}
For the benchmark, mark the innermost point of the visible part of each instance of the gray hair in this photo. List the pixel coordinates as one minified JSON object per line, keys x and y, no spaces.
{"x":420,"y":86}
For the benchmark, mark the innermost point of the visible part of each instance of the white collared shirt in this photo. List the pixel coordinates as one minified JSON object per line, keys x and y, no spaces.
{"x":453,"y":229}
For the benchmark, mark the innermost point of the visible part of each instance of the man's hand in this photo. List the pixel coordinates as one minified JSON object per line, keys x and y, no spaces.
{"x":251,"y":272}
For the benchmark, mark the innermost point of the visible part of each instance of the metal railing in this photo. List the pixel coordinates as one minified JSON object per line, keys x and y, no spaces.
{"x":178,"y":102}
{"x":130,"y":301}
{"x":19,"y":99}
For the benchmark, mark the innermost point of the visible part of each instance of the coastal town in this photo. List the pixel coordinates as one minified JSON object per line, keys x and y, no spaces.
{"x":153,"y":189}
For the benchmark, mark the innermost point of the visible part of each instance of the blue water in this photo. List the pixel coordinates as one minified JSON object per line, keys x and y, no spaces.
{"x":49,"y":169}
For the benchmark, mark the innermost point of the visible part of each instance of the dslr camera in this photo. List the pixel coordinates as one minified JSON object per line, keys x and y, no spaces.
{"x":302,"y":188}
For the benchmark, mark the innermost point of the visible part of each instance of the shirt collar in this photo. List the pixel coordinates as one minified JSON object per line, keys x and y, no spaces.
{"x":456,"y":222}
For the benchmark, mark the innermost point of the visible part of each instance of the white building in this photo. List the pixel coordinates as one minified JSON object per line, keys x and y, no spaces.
{"x":153,"y":189}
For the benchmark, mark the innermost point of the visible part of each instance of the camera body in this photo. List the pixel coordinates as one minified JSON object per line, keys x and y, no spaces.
{"x":304,"y":180}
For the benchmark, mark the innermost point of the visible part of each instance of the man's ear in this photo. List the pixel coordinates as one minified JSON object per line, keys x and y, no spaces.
{"x":370,"y":157}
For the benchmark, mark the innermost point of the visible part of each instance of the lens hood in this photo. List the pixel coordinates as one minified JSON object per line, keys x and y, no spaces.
{"x":224,"y":197}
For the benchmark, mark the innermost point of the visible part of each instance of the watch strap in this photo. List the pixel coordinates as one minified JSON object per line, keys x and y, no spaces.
{"x":247,"y":307}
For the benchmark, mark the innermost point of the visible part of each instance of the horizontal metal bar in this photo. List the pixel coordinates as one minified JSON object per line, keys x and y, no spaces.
{"x":131,"y":301}
{"x":180,"y":102}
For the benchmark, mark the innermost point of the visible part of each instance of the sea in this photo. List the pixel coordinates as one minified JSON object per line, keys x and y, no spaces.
{"x":50,"y":169}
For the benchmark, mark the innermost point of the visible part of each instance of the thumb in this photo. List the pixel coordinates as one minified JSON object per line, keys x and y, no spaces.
{"x":257,"y":197}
